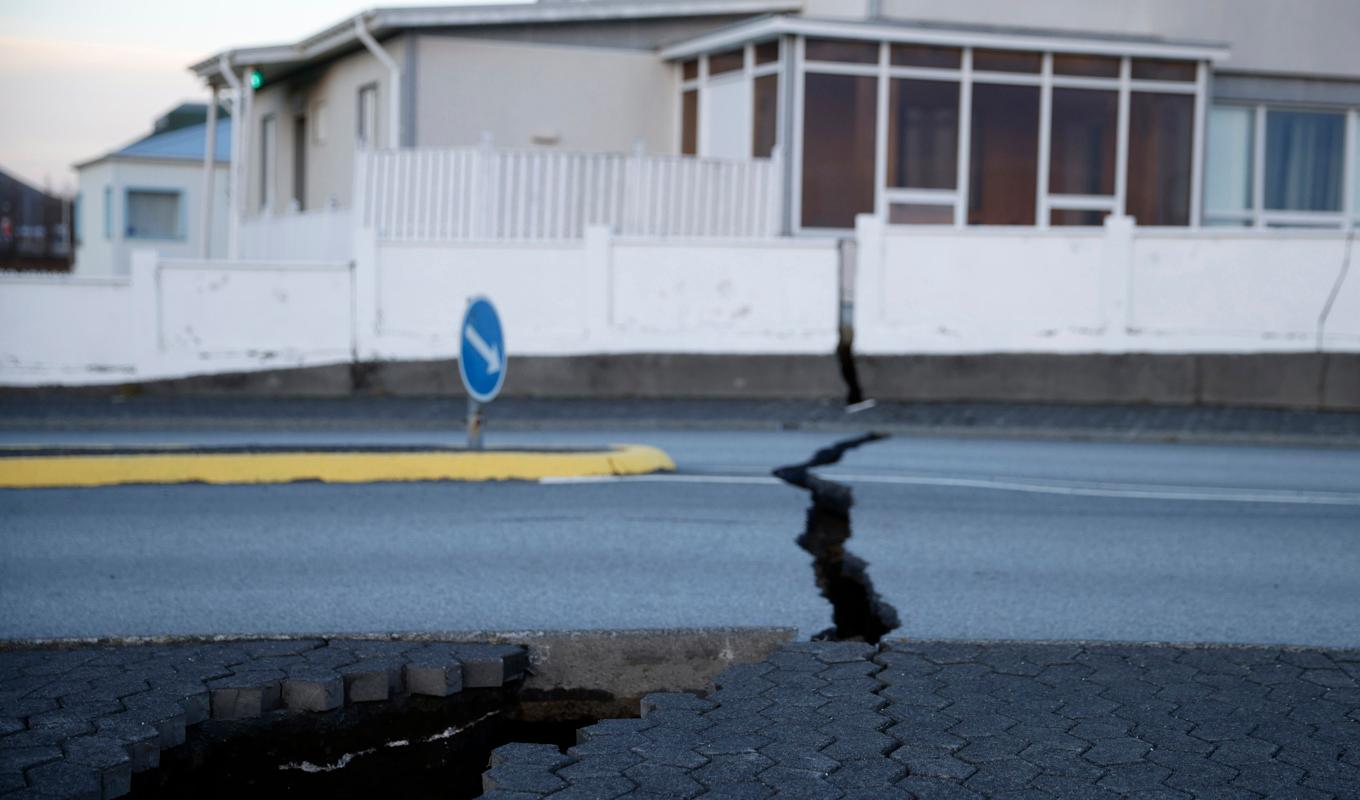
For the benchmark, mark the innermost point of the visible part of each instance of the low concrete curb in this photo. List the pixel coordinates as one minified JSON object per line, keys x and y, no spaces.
{"x":57,"y":468}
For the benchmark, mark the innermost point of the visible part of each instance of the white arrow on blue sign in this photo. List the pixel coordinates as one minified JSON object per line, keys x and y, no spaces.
{"x":481,"y":358}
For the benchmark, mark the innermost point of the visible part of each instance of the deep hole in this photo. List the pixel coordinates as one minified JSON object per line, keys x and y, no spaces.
{"x":409,"y":747}
{"x":858,"y":612}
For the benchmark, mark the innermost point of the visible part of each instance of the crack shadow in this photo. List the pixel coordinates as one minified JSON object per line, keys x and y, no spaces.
{"x":858,"y":612}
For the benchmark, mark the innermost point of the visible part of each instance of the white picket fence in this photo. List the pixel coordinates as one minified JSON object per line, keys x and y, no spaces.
{"x":484,"y":193}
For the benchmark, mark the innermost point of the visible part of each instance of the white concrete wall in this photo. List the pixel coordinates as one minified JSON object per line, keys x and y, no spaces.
{"x":1117,"y":289}
{"x":601,"y":295}
{"x":172,"y":318}
{"x":98,"y":254}
{"x":62,"y":328}
{"x":592,"y":99}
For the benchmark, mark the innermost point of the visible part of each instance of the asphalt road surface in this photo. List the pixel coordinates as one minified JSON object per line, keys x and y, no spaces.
{"x":969,"y":538}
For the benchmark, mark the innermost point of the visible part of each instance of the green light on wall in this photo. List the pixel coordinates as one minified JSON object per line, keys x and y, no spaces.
{"x":256,"y":79}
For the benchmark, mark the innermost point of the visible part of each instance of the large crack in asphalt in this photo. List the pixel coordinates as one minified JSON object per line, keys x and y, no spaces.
{"x":858,"y":612}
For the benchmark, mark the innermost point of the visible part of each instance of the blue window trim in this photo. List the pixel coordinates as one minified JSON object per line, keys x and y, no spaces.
{"x":181,"y":233}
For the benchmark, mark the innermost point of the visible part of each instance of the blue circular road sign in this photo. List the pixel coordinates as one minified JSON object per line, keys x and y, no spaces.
{"x":481,"y":357}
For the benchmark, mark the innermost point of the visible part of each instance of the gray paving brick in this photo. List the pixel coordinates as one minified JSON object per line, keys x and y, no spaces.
{"x":372,"y":680}
{"x":312,"y":688}
{"x":245,"y":695}
{"x":663,"y":780}
{"x":66,"y":780}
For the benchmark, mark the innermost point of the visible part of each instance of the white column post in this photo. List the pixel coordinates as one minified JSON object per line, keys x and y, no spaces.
{"x":234,"y":187}
{"x":1117,"y":280}
{"x":868,"y":277}
{"x":209,"y":173}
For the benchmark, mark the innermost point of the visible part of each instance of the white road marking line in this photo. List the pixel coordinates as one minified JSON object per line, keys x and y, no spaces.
{"x":1132,"y":491}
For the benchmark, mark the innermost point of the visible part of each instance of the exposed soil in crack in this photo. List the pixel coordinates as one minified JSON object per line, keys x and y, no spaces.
{"x":859,"y":612}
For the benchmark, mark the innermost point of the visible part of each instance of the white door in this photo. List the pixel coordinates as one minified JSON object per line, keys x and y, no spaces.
{"x":727,"y":119}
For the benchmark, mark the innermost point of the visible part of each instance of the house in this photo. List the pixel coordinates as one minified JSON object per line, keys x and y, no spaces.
{"x":152,"y":192}
{"x":35,"y":228}
{"x":1222,"y":112}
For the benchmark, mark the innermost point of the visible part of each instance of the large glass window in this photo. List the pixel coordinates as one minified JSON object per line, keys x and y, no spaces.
{"x":1161,"y":145}
{"x":1305,"y":151}
{"x":1004,"y":154}
{"x":839,"y":113}
{"x":153,"y":214}
{"x":923,"y":134}
{"x":1228,"y":154}
{"x":1082,"y":150}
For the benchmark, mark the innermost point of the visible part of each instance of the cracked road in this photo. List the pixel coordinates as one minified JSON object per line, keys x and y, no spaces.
{"x":973,"y":538}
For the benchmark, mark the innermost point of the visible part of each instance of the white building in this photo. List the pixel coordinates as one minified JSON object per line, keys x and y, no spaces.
{"x":1220,"y":112}
{"x":150,"y":195}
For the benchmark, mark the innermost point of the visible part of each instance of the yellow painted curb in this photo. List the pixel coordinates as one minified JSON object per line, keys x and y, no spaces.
{"x":329,"y":467}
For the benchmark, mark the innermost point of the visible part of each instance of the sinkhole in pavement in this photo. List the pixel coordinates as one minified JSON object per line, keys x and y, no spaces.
{"x":858,"y":612}
{"x":409,"y":747}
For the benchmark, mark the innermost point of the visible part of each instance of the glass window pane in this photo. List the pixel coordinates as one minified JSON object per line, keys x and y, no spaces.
{"x":838,"y":149}
{"x":152,"y":215}
{"x":841,"y":50}
{"x":923,"y":134}
{"x":767,"y":52}
{"x":690,"y":70}
{"x":1072,"y":216}
{"x":1081,"y":159}
{"x":1007,"y":61}
{"x":730,"y":61}
{"x":920,"y":214}
{"x":1228,"y":156}
{"x":1304,"y":156}
{"x":1004,"y":155}
{"x":926,"y":55}
{"x":689,"y":122}
{"x":1161,"y":140}
{"x":765,"y":107}
{"x":1085,"y":66}
{"x":1150,"y":69}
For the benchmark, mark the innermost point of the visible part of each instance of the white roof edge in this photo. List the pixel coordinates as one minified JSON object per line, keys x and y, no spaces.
{"x":903,"y":32}
{"x":381,"y":20}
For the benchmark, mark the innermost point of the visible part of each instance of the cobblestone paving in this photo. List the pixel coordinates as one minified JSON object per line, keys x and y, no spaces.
{"x":77,"y":723}
{"x":949,"y":720}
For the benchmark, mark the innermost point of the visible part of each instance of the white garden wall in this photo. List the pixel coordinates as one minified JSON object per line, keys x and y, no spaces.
{"x":59,"y":328}
{"x":1113,"y":289}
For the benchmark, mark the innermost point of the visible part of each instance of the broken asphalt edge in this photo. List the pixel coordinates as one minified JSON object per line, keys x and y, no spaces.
{"x":350,"y":466}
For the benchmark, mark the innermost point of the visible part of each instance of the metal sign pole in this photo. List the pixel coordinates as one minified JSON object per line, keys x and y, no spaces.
{"x":474,"y":425}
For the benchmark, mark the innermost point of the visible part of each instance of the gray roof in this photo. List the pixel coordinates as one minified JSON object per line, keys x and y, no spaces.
{"x":180,"y":144}
{"x":341,"y":37}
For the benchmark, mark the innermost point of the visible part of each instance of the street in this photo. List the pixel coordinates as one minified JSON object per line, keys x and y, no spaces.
{"x":968,"y":538}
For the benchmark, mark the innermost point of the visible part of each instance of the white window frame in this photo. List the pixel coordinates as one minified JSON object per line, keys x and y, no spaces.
{"x":366,"y":117}
{"x":181,"y":215}
{"x":747,"y":75}
{"x":1257,"y":215}
{"x":967,"y":77}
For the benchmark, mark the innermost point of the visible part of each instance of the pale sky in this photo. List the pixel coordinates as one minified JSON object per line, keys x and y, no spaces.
{"x":79,"y":78}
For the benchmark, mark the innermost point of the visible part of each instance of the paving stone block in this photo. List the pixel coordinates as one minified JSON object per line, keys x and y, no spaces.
{"x":107,"y":757}
{"x":245,"y":695}
{"x":525,"y":753}
{"x":12,"y":781}
{"x":739,"y":791}
{"x":596,"y":788}
{"x":522,"y":778}
{"x":433,"y":675}
{"x":491,"y":665}
{"x":867,"y":773}
{"x":66,"y":780}
{"x":167,"y":716}
{"x":310,"y":688}
{"x":141,"y":740}
{"x":663,"y":780}
{"x":373,"y":679}
{"x":18,"y":759}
